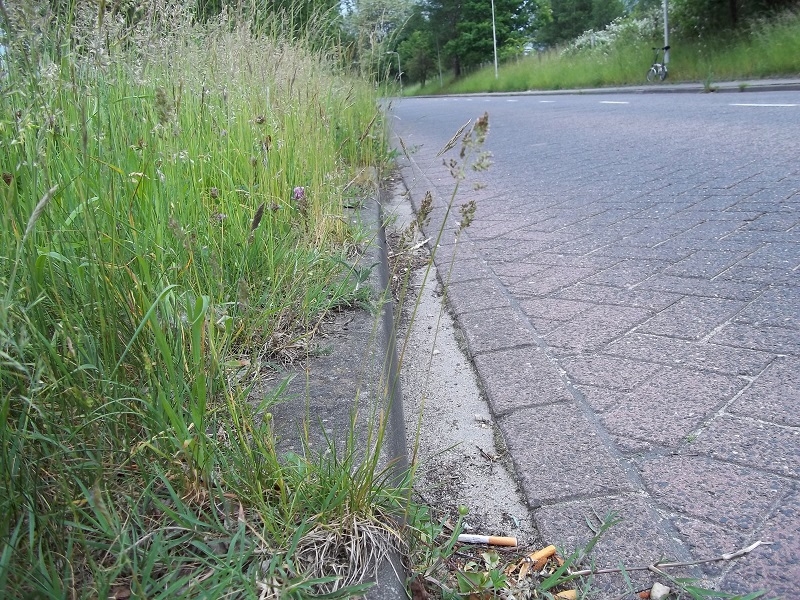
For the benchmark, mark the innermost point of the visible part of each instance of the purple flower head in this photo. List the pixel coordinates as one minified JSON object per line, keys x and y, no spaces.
{"x":299,"y":193}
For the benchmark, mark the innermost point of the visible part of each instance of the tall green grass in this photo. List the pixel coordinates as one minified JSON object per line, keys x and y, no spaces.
{"x":768,"y":48}
{"x":171,"y":215}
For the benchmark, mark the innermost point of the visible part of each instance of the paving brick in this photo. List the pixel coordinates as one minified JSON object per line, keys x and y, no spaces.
{"x":774,"y":221}
{"x":600,"y":294}
{"x":651,"y":237}
{"x":507,"y":252}
{"x":717,"y":204}
{"x":599,"y":398}
{"x":749,"y":442}
{"x":667,"y":407}
{"x":559,"y":455}
{"x":467,"y":270}
{"x":445,"y":253}
{"x":663,"y":212}
{"x":705,"y":214}
{"x":780,"y":340}
{"x":709,"y":230}
{"x":491,"y":229}
{"x":729,"y":495}
{"x":699,"y":287}
{"x":520,"y":377}
{"x":594,"y":328}
{"x":774,"y":568}
{"x":691,"y":317}
{"x":549,"y":280}
{"x":773,"y":193}
{"x":584,"y":245}
{"x":494,"y":328}
{"x":638,"y":540}
{"x":761,"y":276}
{"x":606,"y":218}
{"x":749,"y":237}
{"x":774,"y":396}
{"x":641,"y":252}
{"x":629,"y":446}
{"x":708,"y":540}
{"x":551,"y":257}
{"x":687,"y":245}
{"x":546,"y":223}
{"x":777,"y":308}
{"x":705,"y":264}
{"x":439,"y":222}
{"x":690,"y":354}
{"x":513,"y":271}
{"x":477,"y":295}
{"x":534,"y":238}
{"x":608,"y":371}
{"x":553,"y":308}
{"x":627,"y":273}
{"x":499,"y":247}
{"x":544,"y":326}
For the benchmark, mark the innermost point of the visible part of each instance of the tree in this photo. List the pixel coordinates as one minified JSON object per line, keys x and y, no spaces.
{"x":605,"y":11}
{"x":373,"y":26}
{"x":462,"y":29}
{"x":418,"y":56}
{"x":571,"y":18}
{"x":298,"y":14}
{"x":697,"y":17}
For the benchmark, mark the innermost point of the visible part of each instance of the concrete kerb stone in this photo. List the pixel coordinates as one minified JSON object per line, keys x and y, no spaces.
{"x":754,"y":85}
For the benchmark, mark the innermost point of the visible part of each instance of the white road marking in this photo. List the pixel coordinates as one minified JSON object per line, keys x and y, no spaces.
{"x":764,"y":104}
{"x":547,"y":101}
{"x":612,"y":102}
{"x":511,"y":100}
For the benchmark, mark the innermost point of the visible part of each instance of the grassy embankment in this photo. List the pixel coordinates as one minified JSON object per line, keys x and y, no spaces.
{"x":171,"y":214}
{"x":766,"y":49}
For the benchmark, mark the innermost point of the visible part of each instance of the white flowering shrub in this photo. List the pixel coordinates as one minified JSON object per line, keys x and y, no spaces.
{"x":621,"y":31}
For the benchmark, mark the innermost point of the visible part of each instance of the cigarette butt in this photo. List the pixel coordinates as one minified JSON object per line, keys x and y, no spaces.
{"x":540,"y":557}
{"x":492,"y":540}
{"x":567,"y":595}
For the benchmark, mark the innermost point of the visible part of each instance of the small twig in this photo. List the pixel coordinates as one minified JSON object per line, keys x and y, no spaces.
{"x":492,"y":458}
{"x":656,"y":567}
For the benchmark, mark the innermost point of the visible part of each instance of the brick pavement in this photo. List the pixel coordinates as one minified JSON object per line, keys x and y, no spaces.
{"x":630,"y":301}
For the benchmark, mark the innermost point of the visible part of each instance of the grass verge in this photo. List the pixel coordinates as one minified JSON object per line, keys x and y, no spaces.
{"x":622,"y":54}
{"x":172,"y":216}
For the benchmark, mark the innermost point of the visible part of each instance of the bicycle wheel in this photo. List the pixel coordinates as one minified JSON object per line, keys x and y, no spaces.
{"x":651,"y":74}
{"x":662,"y":75}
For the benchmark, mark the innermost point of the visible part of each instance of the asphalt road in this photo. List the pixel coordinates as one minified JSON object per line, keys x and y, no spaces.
{"x":628,"y":294}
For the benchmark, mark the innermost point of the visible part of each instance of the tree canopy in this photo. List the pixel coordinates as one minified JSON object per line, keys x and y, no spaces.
{"x":458,"y":33}
{"x":572,"y":17}
{"x":698,"y":17}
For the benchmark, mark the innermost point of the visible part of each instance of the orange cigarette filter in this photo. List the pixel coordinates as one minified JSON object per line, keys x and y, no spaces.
{"x":492,"y":540}
{"x":540,"y":557}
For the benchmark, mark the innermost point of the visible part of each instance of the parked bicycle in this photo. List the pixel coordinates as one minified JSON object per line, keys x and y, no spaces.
{"x":659,"y":68}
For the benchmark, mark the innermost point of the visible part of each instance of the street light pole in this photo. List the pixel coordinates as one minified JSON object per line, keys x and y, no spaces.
{"x":666,"y":34}
{"x":399,"y":68}
{"x":494,"y":40}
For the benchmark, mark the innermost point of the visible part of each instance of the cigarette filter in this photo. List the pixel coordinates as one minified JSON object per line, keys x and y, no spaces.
{"x":492,"y":540}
